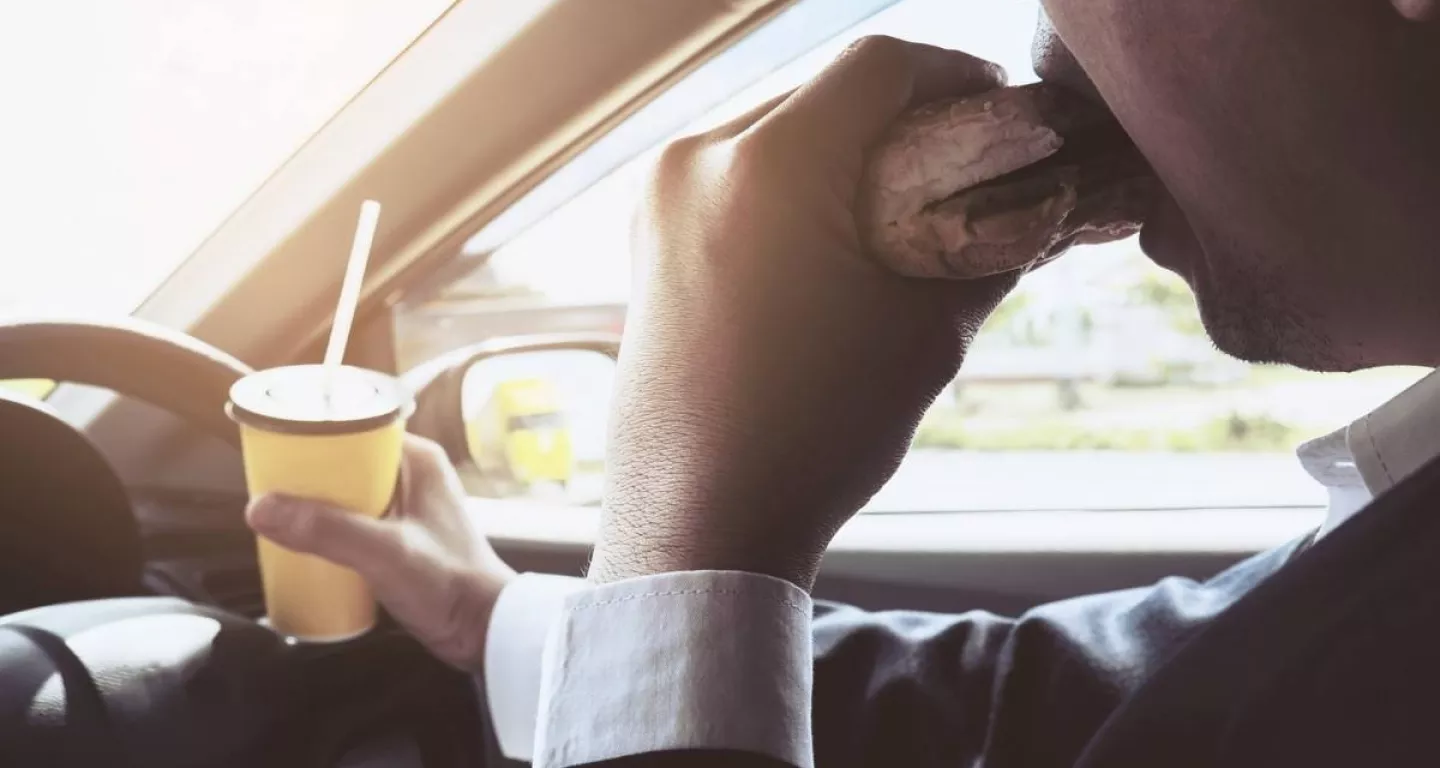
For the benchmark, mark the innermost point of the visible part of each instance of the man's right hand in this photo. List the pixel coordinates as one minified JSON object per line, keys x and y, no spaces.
{"x":426,"y":563}
{"x":773,"y":374}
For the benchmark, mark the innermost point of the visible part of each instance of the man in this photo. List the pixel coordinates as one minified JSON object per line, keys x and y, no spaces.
{"x":772,"y":378}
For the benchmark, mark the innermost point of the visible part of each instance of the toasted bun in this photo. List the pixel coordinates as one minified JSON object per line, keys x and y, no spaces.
{"x":998,"y":182}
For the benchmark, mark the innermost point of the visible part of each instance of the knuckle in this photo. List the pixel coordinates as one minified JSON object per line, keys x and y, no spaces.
{"x":262,"y":509}
{"x":675,"y":164}
{"x":304,"y":524}
{"x":677,"y":156}
{"x":671,"y":181}
{"x":876,"y":65}
{"x":760,"y":152}
{"x":876,"y":48}
{"x":404,"y":552}
{"x":424,"y":449}
{"x":424,"y":460}
{"x":990,"y":71}
{"x":776,"y":156}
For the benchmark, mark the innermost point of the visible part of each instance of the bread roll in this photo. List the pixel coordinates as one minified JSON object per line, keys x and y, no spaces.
{"x":998,"y":182}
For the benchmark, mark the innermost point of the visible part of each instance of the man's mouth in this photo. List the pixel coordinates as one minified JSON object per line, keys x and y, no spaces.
{"x":1162,"y":222}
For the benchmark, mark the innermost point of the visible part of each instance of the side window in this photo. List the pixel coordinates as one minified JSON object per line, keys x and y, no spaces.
{"x":1094,"y":373}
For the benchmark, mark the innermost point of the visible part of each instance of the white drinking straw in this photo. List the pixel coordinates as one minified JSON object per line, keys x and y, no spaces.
{"x":350,"y":288}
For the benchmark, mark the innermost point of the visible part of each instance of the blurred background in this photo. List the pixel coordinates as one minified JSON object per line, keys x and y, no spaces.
{"x":1093,"y":387}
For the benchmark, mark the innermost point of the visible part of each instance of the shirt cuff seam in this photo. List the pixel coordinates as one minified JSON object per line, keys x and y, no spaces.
{"x":691,"y":592}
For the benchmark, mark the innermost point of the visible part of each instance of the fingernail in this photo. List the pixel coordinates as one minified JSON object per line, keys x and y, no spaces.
{"x":270,"y":513}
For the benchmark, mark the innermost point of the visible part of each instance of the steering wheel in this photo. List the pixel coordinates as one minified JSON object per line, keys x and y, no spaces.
{"x":69,"y":533}
{"x":143,"y":360}
{"x":89,"y":678}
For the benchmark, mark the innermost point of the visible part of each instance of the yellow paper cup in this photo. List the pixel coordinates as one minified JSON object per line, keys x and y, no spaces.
{"x":334,"y":438}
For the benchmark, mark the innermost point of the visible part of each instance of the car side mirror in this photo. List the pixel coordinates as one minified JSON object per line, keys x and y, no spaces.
{"x":520,"y":416}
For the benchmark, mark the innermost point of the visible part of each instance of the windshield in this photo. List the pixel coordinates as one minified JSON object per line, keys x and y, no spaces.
{"x":1093,"y":386}
{"x":132,"y":129}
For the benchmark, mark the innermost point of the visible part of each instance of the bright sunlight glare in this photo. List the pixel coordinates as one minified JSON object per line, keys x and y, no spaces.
{"x":132,"y":129}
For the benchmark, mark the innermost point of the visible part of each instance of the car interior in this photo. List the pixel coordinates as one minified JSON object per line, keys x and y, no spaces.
{"x":130,"y":595}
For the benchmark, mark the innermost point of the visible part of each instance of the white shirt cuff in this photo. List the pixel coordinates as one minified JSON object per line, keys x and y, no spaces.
{"x":514,"y":646}
{"x":695,"y":660}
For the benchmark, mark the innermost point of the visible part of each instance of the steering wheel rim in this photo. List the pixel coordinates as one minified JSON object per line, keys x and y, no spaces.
{"x":137,"y":358}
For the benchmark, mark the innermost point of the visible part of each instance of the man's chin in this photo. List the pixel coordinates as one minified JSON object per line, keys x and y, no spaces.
{"x":1245,"y":312}
{"x":1267,"y":340}
{"x":1252,"y":319}
{"x":1245,"y":338}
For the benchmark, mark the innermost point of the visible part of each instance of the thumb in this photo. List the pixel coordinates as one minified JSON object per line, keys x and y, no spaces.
{"x":314,"y":528}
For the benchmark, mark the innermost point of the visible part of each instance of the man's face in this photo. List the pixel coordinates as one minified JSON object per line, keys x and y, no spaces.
{"x":1299,"y":141}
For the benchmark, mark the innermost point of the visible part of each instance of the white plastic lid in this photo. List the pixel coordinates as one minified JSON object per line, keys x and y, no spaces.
{"x":304,"y":399}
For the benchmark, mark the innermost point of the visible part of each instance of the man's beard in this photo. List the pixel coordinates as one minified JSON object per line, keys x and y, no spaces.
{"x":1254,"y":317}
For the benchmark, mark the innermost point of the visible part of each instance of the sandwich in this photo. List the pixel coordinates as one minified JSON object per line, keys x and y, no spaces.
{"x":999,"y":182}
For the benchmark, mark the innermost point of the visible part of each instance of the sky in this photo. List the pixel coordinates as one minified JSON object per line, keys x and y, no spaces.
{"x":134,"y":127}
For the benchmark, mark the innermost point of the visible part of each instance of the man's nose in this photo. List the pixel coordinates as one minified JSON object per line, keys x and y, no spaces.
{"x":1055,"y":64}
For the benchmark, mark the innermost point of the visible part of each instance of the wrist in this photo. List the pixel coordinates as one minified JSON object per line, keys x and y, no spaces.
{"x":478,"y":594}
{"x":618,"y":558}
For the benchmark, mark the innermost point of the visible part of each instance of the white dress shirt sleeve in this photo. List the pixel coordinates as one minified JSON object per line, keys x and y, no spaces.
{"x":694,"y":660}
{"x":700,"y":660}
{"x":514,"y":646}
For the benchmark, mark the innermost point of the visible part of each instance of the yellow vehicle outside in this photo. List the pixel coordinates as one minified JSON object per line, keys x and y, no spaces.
{"x":40,"y":388}
{"x":521,"y":434}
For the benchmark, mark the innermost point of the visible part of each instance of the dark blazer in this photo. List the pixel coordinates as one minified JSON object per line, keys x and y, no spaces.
{"x":1318,"y":657}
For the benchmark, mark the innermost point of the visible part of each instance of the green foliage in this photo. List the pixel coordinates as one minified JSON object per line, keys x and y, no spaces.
{"x":1173,"y":297}
{"x":948,"y":429}
{"x":590,"y":466}
{"x":1250,"y":432}
{"x":1007,"y":319}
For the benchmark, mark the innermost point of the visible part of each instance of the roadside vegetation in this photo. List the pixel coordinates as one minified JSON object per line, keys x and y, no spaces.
{"x":948,"y":429}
